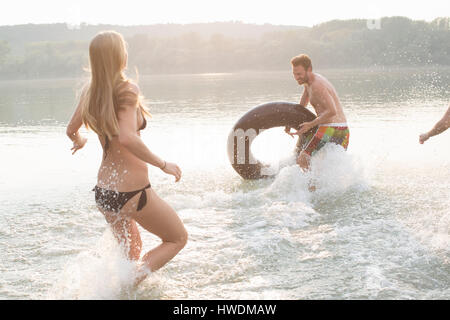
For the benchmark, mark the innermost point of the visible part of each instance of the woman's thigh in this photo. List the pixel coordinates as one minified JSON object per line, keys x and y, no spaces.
{"x":158,"y":217}
{"x":126,"y":232}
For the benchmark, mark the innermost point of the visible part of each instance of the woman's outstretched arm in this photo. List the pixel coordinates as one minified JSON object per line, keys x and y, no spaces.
{"x":74,"y":125}
{"x":438,"y":128}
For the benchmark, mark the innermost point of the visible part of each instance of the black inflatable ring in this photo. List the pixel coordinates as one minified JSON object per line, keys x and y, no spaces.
{"x":262,"y":117}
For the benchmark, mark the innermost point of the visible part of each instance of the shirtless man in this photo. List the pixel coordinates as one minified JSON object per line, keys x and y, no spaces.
{"x":438,"y":128}
{"x":331,"y":121}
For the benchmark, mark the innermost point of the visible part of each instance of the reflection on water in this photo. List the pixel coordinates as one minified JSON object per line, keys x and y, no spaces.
{"x":36,"y":102}
{"x":377,"y":227}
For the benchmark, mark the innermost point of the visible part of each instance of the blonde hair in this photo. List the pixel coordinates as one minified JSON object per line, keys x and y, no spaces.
{"x":302,"y":60}
{"x":104,"y":93}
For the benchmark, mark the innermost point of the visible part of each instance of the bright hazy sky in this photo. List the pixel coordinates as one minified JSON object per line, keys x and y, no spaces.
{"x":288,"y":12}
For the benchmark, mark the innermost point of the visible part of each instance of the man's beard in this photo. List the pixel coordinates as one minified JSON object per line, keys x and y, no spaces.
{"x":303,"y":80}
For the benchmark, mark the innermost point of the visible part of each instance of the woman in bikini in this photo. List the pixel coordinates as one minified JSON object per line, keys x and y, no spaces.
{"x":111,"y":106}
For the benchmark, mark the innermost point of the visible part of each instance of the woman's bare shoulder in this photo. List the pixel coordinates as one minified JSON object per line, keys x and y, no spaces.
{"x":128,"y":86}
{"x":127,"y":94}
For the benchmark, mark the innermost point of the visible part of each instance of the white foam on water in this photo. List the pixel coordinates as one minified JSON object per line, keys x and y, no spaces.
{"x":376,"y":280}
{"x":332,"y":171}
{"x":290,"y":185}
{"x":432,"y":228}
{"x":102,"y":272}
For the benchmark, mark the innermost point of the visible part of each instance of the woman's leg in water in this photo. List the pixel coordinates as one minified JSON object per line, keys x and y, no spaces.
{"x":126,"y":232}
{"x":160,"y":219}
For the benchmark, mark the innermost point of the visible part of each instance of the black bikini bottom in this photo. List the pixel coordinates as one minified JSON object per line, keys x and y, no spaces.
{"x":111,"y":200}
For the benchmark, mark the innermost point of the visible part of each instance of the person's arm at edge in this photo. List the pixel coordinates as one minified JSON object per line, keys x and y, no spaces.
{"x":438,"y":128}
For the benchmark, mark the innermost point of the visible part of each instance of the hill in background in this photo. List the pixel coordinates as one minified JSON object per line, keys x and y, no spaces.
{"x":54,"y":50}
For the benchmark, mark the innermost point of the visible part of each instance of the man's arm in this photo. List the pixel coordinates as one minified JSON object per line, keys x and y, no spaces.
{"x":438,"y":128}
{"x":303,"y":103}
{"x":326,"y":103}
{"x":305,"y":98}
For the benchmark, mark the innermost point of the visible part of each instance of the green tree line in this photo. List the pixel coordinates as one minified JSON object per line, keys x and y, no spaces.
{"x":393,"y":41}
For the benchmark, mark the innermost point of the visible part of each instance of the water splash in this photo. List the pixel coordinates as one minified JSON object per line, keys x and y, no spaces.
{"x":102,"y":272}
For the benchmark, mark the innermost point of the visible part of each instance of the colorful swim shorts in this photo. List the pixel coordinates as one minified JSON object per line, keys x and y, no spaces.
{"x":337,"y":133}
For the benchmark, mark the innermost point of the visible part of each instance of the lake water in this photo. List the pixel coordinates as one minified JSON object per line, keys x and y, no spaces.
{"x":376,"y":228}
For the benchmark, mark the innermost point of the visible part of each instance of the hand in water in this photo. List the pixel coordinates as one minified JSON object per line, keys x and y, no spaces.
{"x":423,"y":137}
{"x":78,"y":144}
{"x":173,"y":169}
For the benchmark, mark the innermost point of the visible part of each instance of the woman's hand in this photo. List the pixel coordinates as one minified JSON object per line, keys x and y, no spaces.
{"x":173,"y":169}
{"x":78,"y":144}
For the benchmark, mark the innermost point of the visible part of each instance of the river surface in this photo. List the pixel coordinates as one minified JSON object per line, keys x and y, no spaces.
{"x":377,"y":227}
